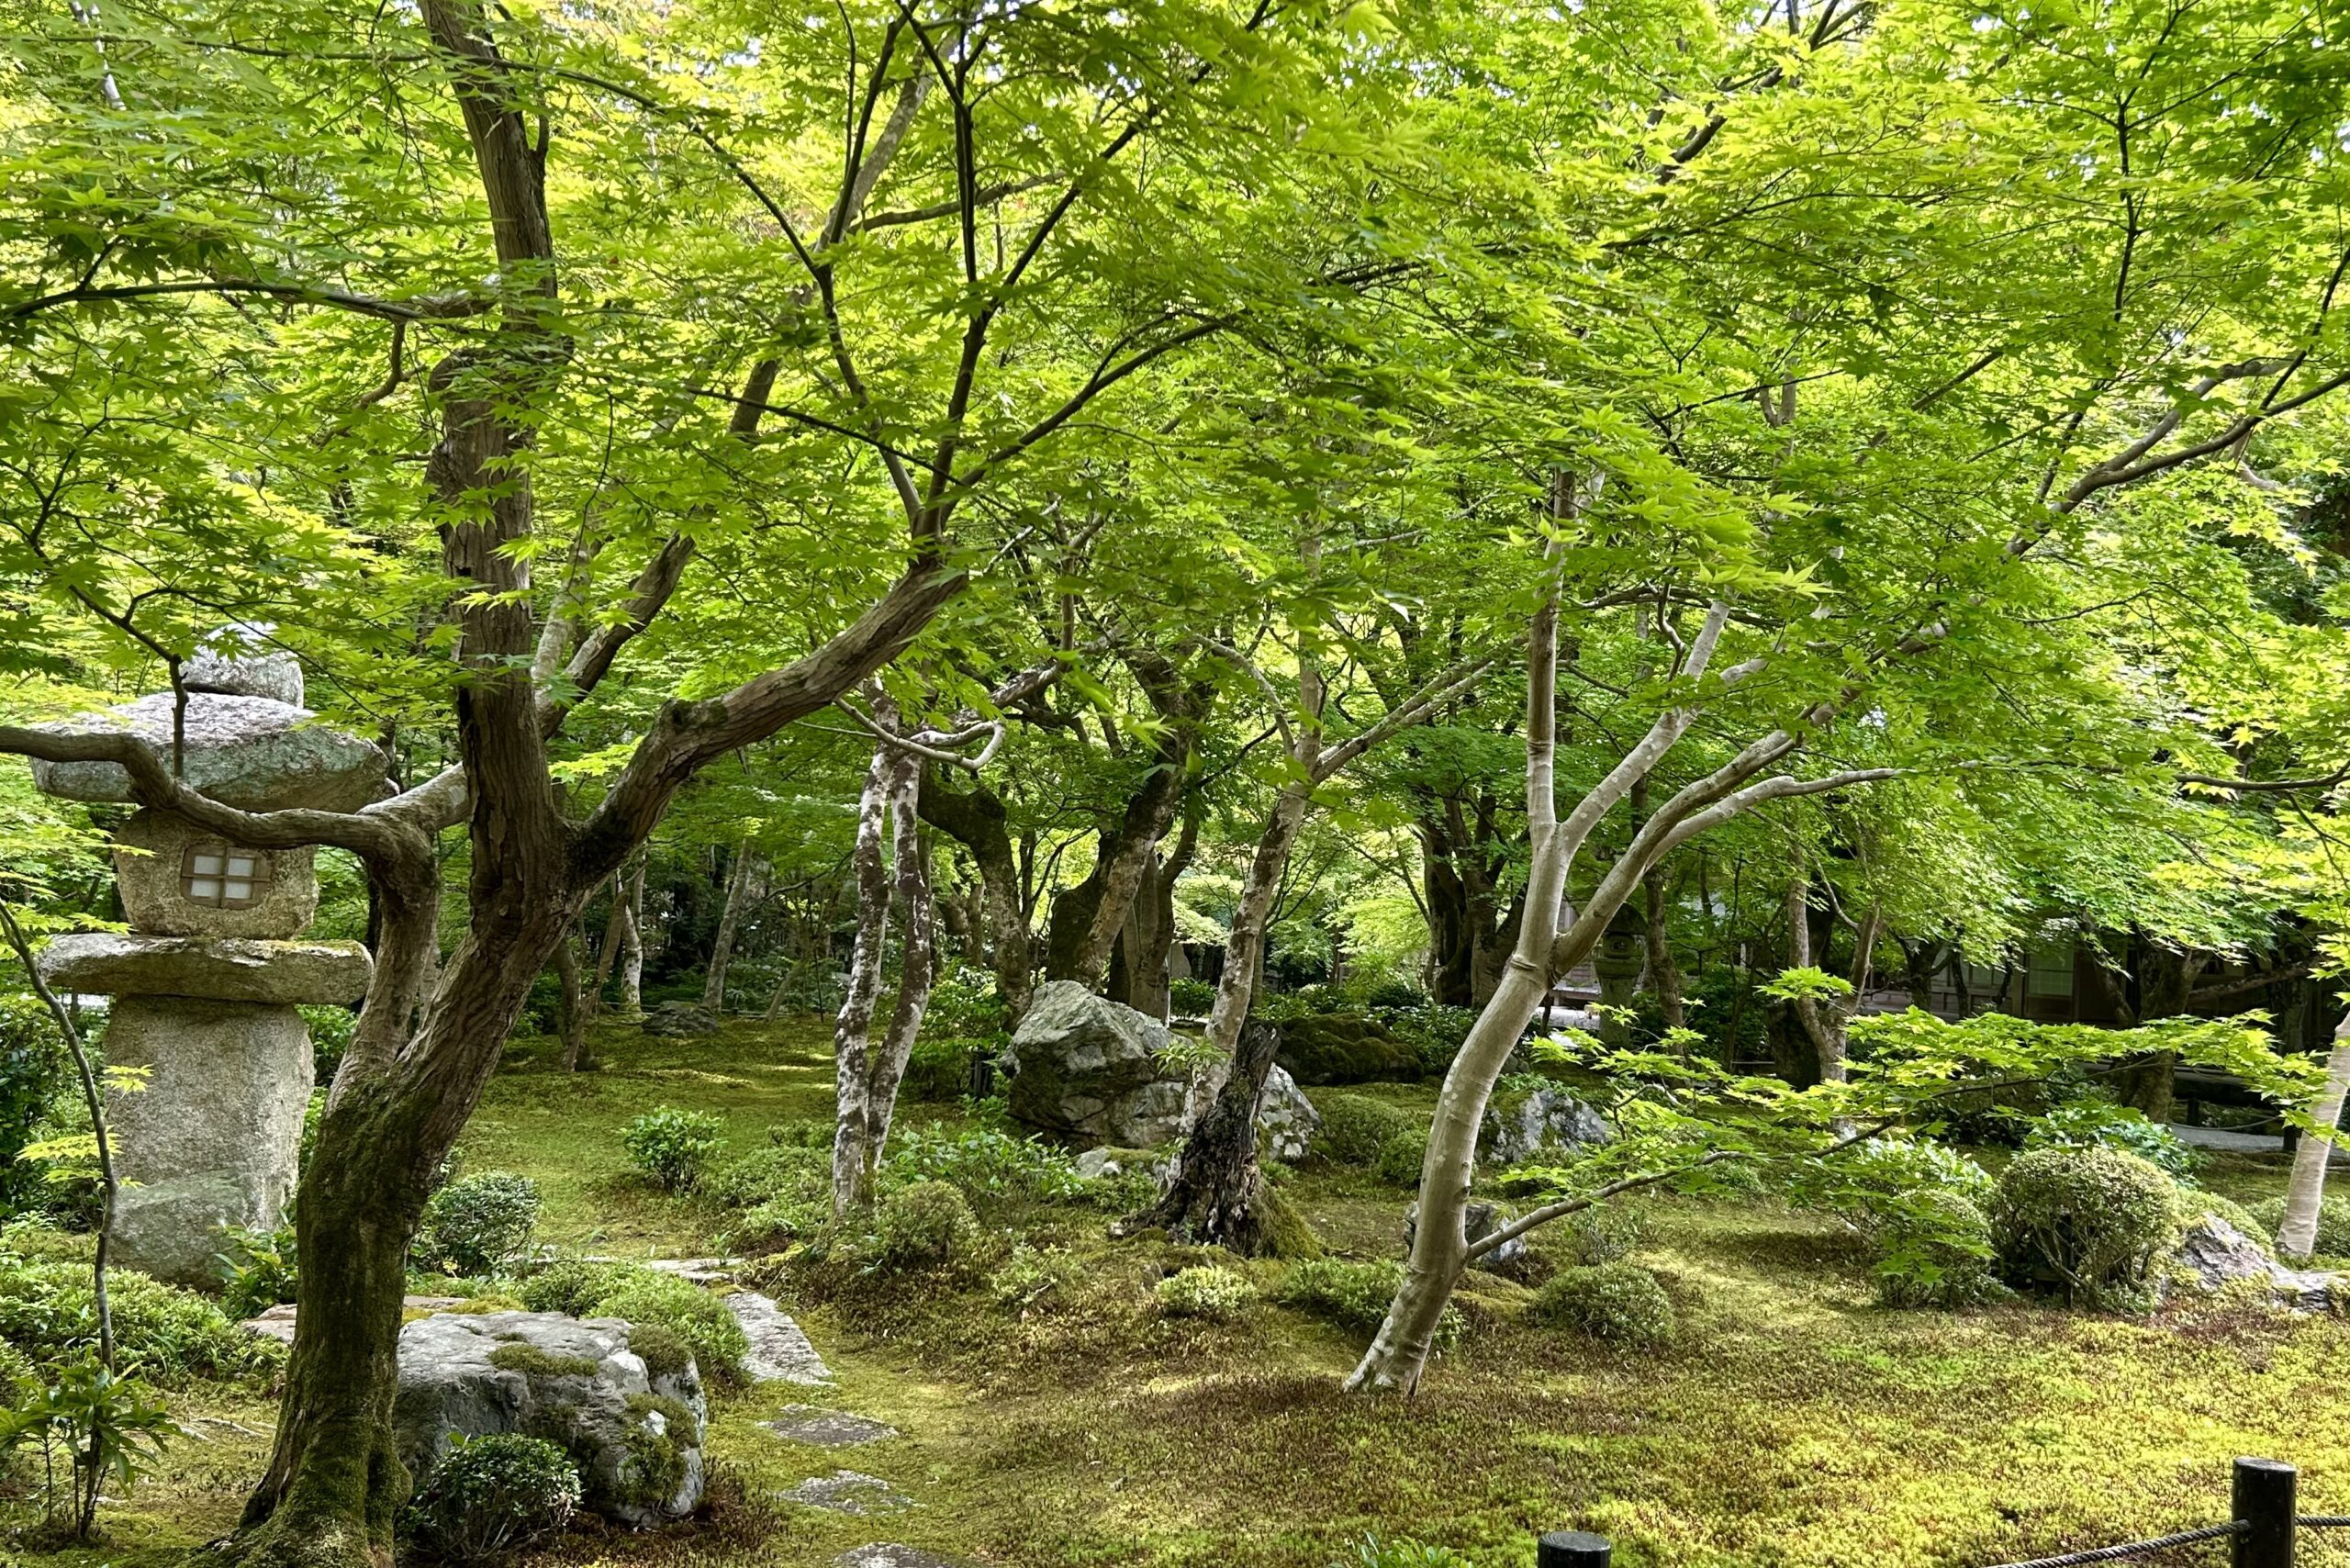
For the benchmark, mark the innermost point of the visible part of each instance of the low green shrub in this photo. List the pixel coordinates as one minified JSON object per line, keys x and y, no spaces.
{"x":1933,"y":1248}
{"x":49,"y":1311}
{"x":1401,"y":1157}
{"x":258,"y":1270}
{"x":2092,"y":1120}
{"x":31,"y":1066}
{"x":1377,"y":1551}
{"x":492,"y":1494}
{"x":95,"y":1429}
{"x":478,"y":1225}
{"x":1434,"y":1032}
{"x":985,"y":1163}
{"x":573,"y":1285}
{"x":762,"y":1175}
{"x":1190,"y":997}
{"x":1032,"y":1276}
{"x":1603,"y":1233}
{"x":1354,"y":1294}
{"x":640,"y":1297}
{"x":1355,"y":1127}
{"x":2333,"y":1222}
{"x":770,"y":1228}
{"x":1212,"y":1291}
{"x":2088,"y":1221}
{"x":928,"y":1226}
{"x":1619,"y":1302}
{"x":672,"y":1146}
{"x":330,"y":1031}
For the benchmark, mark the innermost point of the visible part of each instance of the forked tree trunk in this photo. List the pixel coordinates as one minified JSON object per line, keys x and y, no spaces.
{"x":609,"y":950}
{"x":868,"y":1076}
{"x":1664,"y":974}
{"x":2305,"y":1189}
{"x":853,"y":1029}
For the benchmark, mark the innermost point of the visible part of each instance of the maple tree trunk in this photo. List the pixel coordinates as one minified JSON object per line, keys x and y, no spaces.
{"x":1217,"y":1196}
{"x":632,"y":945}
{"x":572,"y":1021}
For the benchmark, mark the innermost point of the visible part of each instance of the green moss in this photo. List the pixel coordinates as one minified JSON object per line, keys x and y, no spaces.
{"x":533,"y":1362}
{"x":663,"y":1350}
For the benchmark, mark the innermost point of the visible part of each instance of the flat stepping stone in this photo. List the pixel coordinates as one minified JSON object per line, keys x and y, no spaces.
{"x":277,"y":1323}
{"x":827,"y":1428}
{"x":848,"y":1492}
{"x":779,"y":1352}
{"x":884,"y":1555}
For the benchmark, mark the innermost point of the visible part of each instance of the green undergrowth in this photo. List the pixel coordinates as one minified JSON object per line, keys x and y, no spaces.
{"x":1053,"y":1414}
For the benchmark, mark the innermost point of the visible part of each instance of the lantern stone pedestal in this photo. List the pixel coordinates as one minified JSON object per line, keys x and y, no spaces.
{"x":207,"y":981}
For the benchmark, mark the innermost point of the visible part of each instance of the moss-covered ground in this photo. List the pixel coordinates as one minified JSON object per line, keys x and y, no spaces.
{"x":1793,"y":1421}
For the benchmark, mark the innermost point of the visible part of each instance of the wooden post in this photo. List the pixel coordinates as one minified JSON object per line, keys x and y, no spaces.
{"x":1572,"y":1549}
{"x":2263,"y":1505}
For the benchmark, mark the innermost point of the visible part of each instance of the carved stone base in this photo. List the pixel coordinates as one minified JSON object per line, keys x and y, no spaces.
{"x":213,"y":1138}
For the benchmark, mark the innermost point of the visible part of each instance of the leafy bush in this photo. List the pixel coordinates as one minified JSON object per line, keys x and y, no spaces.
{"x":490,"y":1494}
{"x":2089,"y":1220}
{"x":1213,"y":1292}
{"x":1619,"y":1302}
{"x":769,"y":1227}
{"x":2093,"y":1121}
{"x":2333,"y":1222}
{"x":480,"y":1225}
{"x":259,"y":1270}
{"x":1031,"y":1275}
{"x":938,"y":1070}
{"x":1401,"y":1157}
{"x":108,"y":1429}
{"x":1933,"y":1248}
{"x":573,"y":1285}
{"x":1191,"y":996}
{"x":1355,"y":1127}
{"x":641,"y":1296}
{"x":985,"y":1162}
{"x":1354,"y":1294}
{"x":331,"y":1032}
{"x":926,"y":1226}
{"x":1603,"y":1233}
{"x":30,"y":1063}
{"x":1434,"y":1032}
{"x":789,"y":1172}
{"x":672,"y":1146}
{"x":1374,"y":1551}
{"x":49,"y":1312}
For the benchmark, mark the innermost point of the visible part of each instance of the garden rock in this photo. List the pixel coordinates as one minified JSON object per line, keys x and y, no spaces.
{"x":828,"y":1428}
{"x":2213,"y":1255}
{"x":575,"y":1383}
{"x":230,"y":664}
{"x":680,"y":1018}
{"x":848,"y":1492}
{"x":780,"y":1352}
{"x":1482,"y":1220}
{"x":1093,"y":1071}
{"x":277,"y":1323}
{"x":884,"y":1555}
{"x":1546,"y":1121}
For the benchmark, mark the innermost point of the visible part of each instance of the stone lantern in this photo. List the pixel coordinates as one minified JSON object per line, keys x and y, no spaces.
{"x":206,"y":981}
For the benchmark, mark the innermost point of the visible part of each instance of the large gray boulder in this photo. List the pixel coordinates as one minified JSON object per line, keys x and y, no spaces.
{"x":253,"y":752}
{"x":2214,"y":1254}
{"x":1549,"y":1123}
{"x":1095,"y":1072}
{"x":1510,"y":1258}
{"x":635,"y":1432}
{"x":226,"y":969}
{"x":683,"y":1019}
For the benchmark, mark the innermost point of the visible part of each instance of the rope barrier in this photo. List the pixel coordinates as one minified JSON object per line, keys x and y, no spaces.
{"x":2139,"y":1548}
{"x":2323,"y":1521}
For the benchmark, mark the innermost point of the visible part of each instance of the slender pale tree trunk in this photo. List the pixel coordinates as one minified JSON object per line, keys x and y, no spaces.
{"x":572,"y":1018}
{"x":2305,"y":1189}
{"x":632,"y":945}
{"x":721,"y":952}
{"x":853,"y":1030}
